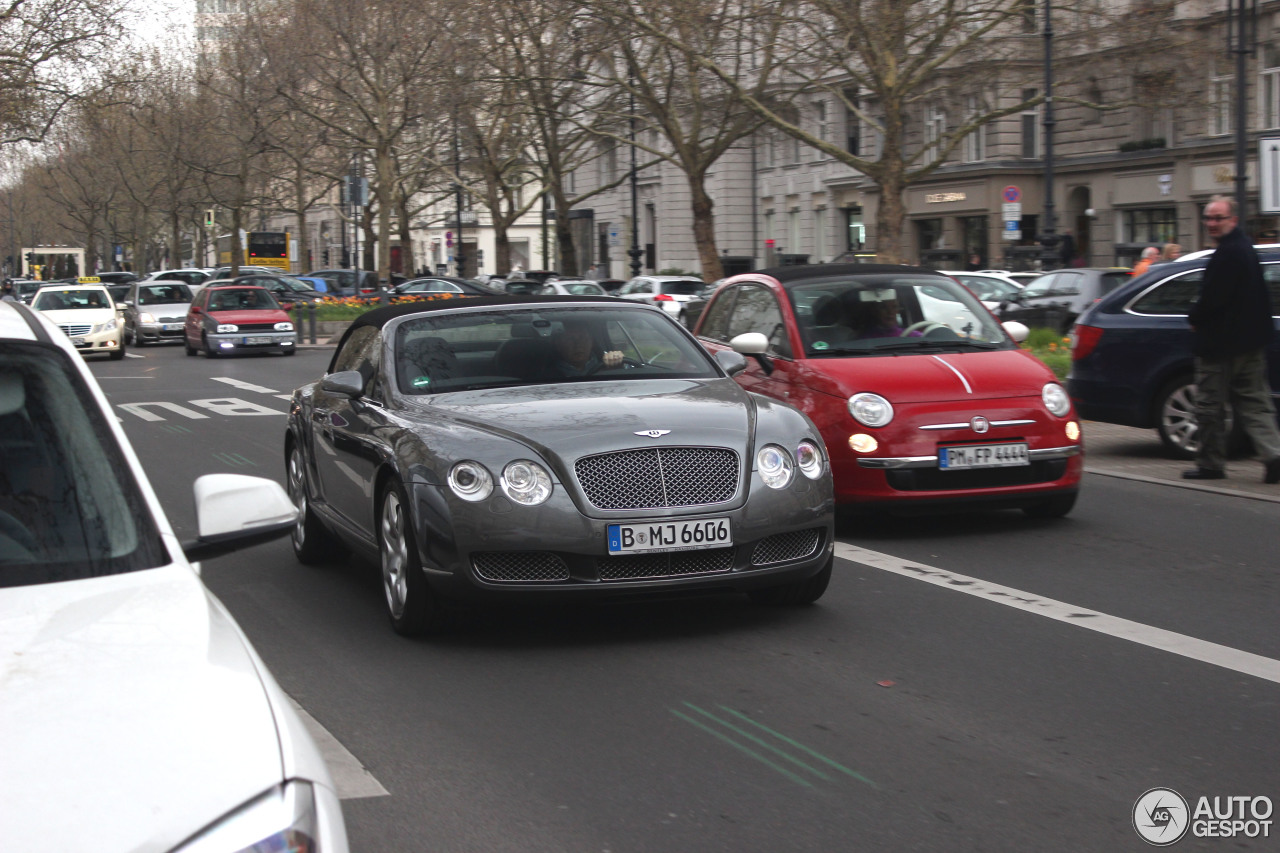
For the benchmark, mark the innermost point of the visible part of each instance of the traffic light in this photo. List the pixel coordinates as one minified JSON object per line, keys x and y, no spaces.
{"x":31,"y":257}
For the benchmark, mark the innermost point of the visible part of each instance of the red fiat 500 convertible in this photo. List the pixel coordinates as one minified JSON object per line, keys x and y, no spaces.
{"x":923,"y":398}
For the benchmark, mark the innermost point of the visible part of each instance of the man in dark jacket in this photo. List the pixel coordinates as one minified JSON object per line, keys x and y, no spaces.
{"x":1232,"y":325}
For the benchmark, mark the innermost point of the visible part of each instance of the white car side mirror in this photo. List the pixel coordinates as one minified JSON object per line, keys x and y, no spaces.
{"x":1016,"y":330}
{"x":234,"y":511}
{"x":750,"y":343}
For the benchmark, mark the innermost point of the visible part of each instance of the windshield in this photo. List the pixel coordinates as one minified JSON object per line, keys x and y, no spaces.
{"x":163,"y":294}
{"x":579,"y":288}
{"x":241,"y":299}
{"x":442,"y":352}
{"x":69,"y":504}
{"x":682,"y":288}
{"x":50,"y":299}
{"x":900,"y":312}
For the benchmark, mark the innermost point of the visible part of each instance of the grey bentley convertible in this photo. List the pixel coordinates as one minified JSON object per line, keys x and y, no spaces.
{"x":538,"y":448}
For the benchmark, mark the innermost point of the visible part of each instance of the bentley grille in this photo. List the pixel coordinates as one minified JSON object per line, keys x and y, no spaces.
{"x":519,"y":566}
{"x":677,"y":564}
{"x":659,"y":477}
{"x":786,"y":547}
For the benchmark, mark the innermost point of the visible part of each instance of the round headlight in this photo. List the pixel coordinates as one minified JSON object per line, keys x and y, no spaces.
{"x":870,"y":409}
{"x":809,"y":459}
{"x":226,"y":328}
{"x":1056,"y":399}
{"x":775,"y":466}
{"x":284,"y":327}
{"x":470,"y":481}
{"x":526,"y":482}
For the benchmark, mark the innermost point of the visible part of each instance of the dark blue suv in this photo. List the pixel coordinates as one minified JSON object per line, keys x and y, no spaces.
{"x":1131,"y":352}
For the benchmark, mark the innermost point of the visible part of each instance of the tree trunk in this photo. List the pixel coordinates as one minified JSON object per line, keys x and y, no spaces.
{"x":367,"y":261}
{"x":891,"y":212}
{"x":386,"y":181}
{"x":175,"y":239}
{"x":567,"y":262}
{"x":501,"y":244}
{"x":301,"y":264}
{"x":704,"y":228}
{"x":408,"y":264}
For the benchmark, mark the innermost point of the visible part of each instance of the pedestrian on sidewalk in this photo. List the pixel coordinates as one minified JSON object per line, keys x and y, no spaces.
{"x":1231,"y":322}
{"x":1144,"y":263}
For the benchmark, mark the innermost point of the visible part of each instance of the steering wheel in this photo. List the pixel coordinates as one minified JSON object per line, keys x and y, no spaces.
{"x":923,"y":327}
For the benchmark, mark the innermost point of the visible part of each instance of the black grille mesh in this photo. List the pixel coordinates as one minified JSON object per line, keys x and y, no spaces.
{"x":786,"y":546}
{"x":711,"y":561}
{"x":659,"y":477}
{"x":519,"y":566}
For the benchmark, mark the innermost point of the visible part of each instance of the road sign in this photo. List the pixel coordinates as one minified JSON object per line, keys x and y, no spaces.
{"x":1012,"y":194}
{"x":1269,"y":174}
{"x":1012,"y":230}
{"x":1011,"y":211}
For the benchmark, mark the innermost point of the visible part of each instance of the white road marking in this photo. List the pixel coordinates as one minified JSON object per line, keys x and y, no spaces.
{"x":1246,"y":663}
{"x":233,"y":406}
{"x":133,"y":355}
{"x":350,"y":778}
{"x":137,"y":409}
{"x":242,"y":385}
{"x":285,"y":396}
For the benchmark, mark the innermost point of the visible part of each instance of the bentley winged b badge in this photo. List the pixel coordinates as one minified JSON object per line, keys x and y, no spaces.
{"x":652,"y":433}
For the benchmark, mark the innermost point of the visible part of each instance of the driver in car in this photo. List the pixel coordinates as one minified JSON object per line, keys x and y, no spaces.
{"x":876,"y":314}
{"x":578,"y":354}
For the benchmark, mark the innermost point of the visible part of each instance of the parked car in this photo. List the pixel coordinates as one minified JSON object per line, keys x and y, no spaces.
{"x":691,"y":310}
{"x":287,"y":290}
{"x":1131,"y":352}
{"x":232,"y":319}
{"x":116,"y":277}
{"x":668,"y":292}
{"x":1055,"y":299}
{"x":572,"y":287}
{"x":139,"y":715}
{"x":443,"y":284}
{"x":445,"y":432}
{"x":192,"y":277}
{"x":87,"y":314}
{"x":345,"y":281}
{"x":25,"y":288}
{"x":991,"y":288}
{"x":925,"y":402}
{"x":1023,"y":278}
{"x":155,"y":310}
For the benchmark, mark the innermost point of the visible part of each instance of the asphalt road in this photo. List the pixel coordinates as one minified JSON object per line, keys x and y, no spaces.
{"x":975,"y":682}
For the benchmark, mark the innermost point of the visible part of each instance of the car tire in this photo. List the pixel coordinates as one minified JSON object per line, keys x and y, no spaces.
{"x":186,"y":343}
{"x":806,"y":591}
{"x":1055,"y":507}
{"x":209,"y":351}
{"x":412,"y":607}
{"x":1176,"y":418}
{"x":290,"y":351}
{"x":312,"y":541}
{"x":118,"y":353}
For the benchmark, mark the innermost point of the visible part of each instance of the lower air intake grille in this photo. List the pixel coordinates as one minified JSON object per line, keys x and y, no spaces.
{"x":519,"y":566}
{"x":786,"y":547}
{"x":711,"y":561}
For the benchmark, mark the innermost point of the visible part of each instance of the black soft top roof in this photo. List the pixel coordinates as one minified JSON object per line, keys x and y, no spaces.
{"x":787,"y":276}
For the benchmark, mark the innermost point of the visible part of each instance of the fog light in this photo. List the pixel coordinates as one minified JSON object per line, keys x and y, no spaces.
{"x":863,"y":443}
{"x":1073,"y":431}
{"x":226,"y":345}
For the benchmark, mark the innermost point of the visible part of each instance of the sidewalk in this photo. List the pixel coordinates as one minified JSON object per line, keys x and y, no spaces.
{"x":1137,"y":454}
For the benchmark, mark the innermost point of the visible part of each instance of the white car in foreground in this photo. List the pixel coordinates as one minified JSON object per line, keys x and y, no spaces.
{"x":137,"y":716}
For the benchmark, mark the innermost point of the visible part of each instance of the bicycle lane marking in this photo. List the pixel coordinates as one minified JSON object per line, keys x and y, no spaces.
{"x":1236,"y":660}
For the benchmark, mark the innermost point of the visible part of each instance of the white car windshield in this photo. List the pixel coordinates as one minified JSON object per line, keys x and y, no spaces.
{"x":70,"y":507}
{"x":50,"y":299}
{"x":172,"y":293}
{"x":442,"y":352}
{"x":891,"y":312}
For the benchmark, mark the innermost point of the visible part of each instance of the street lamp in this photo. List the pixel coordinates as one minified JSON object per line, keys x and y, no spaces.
{"x":1049,"y":256}
{"x":459,"y":254}
{"x":634,"y":251}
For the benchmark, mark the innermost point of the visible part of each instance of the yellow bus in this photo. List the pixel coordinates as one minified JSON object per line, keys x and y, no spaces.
{"x":261,"y":249}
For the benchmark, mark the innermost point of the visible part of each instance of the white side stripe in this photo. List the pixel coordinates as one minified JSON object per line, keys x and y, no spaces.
{"x":1246,"y":663}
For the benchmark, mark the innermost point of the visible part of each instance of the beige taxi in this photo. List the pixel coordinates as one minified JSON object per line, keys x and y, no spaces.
{"x":87,"y":313}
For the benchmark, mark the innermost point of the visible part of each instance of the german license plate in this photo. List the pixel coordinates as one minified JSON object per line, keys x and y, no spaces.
{"x":683,"y":535}
{"x":251,"y":341}
{"x":984,"y":456}
{"x":79,"y":342}
{"x":172,"y":327}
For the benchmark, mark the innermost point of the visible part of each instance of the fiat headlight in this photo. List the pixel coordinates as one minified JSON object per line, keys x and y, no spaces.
{"x":283,"y":818}
{"x":870,"y":409}
{"x":470,"y":481}
{"x":284,"y":327}
{"x":775,"y":466}
{"x":109,"y":326}
{"x":809,"y":459}
{"x":145,"y":317}
{"x":526,"y":482}
{"x":227,"y":328}
{"x":1056,"y":399}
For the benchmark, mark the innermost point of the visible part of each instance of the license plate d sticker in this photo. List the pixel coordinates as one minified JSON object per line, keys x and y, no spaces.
{"x":984,"y":456}
{"x":683,"y":535}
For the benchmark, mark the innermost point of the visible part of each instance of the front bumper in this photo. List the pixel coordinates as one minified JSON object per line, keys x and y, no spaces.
{"x":100,"y":343}
{"x":495,"y":550}
{"x":160,"y":331}
{"x":253,"y":341}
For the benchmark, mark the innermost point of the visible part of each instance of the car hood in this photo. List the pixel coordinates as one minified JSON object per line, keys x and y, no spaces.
{"x":259,"y":315}
{"x":165,"y":309}
{"x":80,"y":316}
{"x":922,"y":378}
{"x":578,"y":419}
{"x":134,"y":713}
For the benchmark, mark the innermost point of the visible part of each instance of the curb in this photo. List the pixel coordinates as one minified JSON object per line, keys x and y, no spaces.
{"x":1196,"y":487}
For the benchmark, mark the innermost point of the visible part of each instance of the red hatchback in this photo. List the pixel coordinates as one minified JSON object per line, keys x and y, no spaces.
{"x":923,"y":398}
{"x":225,"y":320}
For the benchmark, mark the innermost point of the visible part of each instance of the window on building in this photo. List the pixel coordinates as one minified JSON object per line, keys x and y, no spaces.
{"x":608,"y":161}
{"x":1028,"y":15}
{"x":852,"y":125}
{"x":854,"y":229}
{"x":975,"y":149}
{"x":974,"y":229}
{"x":769,"y":226}
{"x":1269,"y":86}
{"x":793,"y":232}
{"x":1220,"y":88}
{"x":1150,"y":225}
{"x":821,"y":129}
{"x":1030,"y":128}
{"x":935,"y":127}
{"x":770,"y":140}
{"x":1154,"y":113}
{"x":820,"y":234}
{"x":793,"y":149}
{"x":929,"y":233}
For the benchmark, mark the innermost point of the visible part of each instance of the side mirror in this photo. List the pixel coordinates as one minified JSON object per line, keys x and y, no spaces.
{"x":732,"y":362}
{"x":750,"y":343}
{"x":1016,"y":330}
{"x":348,"y":383}
{"x":234,"y":511}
